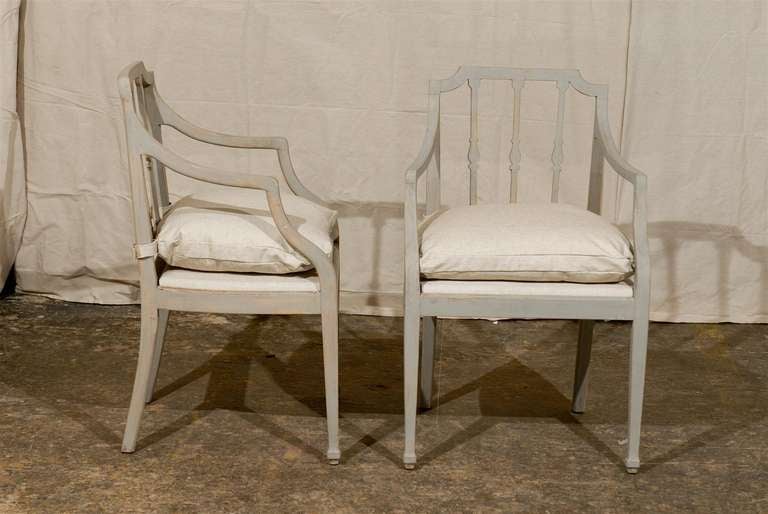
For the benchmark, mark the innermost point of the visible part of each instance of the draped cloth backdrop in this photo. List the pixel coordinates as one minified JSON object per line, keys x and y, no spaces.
{"x":13,"y":200}
{"x":345,"y":82}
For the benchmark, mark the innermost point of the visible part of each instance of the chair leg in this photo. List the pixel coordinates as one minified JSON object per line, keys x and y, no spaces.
{"x":162,"y":325}
{"x":149,"y":322}
{"x":428,"y":338}
{"x":330,"y":322}
{"x":581,"y":375}
{"x":637,"y":359}
{"x":411,"y":381}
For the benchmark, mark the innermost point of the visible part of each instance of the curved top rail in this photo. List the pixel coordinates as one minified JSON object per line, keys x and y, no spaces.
{"x":465,"y":73}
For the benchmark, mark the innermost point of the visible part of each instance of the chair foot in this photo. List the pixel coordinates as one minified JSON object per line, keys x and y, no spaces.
{"x":632,"y":467}
{"x":128,"y":449}
{"x":577,"y":412}
{"x":333,"y":456}
{"x":409,"y":462}
{"x":409,"y":467}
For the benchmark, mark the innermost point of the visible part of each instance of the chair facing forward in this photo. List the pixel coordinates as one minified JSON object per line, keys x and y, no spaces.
{"x":255,"y":250}
{"x":546,"y":260}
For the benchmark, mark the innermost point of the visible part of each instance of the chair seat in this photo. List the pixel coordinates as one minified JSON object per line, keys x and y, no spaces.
{"x":508,"y":288}
{"x":189,"y":280}
{"x":233,"y":231}
{"x":524,"y":242}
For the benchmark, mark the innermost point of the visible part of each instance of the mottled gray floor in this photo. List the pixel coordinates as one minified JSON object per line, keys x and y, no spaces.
{"x":238,"y":424}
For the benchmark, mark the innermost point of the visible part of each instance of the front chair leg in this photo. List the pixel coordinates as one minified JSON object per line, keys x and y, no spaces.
{"x":411,"y":382}
{"x":162,"y":325}
{"x":149,"y":321}
{"x":581,"y":375}
{"x":428,"y":338}
{"x":330,"y":322}
{"x":637,"y":359}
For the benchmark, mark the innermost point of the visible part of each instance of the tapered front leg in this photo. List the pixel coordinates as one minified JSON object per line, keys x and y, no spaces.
{"x":581,"y":375}
{"x":428,"y":338}
{"x":411,"y":381}
{"x":162,"y":325}
{"x":330,"y":321}
{"x":149,"y":321}
{"x":636,"y":388}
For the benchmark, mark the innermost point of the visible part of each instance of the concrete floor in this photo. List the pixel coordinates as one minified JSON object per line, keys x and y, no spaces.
{"x":238,"y":424}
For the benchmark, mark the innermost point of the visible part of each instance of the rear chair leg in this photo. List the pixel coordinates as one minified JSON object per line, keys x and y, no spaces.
{"x":428,"y":338}
{"x":581,"y":376}
{"x":149,"y":322}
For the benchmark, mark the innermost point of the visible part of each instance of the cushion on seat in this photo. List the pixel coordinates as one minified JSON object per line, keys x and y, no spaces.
{"x":509,"y":288}
{"x":189,"y":280}
{"x":526,"y":242}
{"x":233,"y":230}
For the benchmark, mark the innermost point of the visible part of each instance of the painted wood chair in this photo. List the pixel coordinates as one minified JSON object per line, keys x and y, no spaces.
{"x":165,"y":287}
{"x":454,"y":266}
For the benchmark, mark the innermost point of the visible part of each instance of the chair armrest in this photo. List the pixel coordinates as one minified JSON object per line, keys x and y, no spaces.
{"x":410,"y":208}
{"x":639,"y":182}
{"x":280,"y":144}
{"x":150,"y":147}
{"x":610,"y":150}
{"x":640,"y":240}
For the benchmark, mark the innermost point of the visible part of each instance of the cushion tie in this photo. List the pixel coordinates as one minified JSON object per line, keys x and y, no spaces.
{"x":145,"y":250}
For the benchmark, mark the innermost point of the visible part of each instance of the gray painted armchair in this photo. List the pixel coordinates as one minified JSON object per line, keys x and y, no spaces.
{"x":275,"y":253}
{"x":518,"y":260}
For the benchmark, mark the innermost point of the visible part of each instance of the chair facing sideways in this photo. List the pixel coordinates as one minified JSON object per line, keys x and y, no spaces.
{"x":522,"y":260}
{"x":255,"y":250}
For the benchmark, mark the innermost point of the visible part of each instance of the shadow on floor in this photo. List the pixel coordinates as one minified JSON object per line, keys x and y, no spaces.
{"x":484,"y":376}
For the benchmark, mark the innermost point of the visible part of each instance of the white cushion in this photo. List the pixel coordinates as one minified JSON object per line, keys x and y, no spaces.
{"x":508,"y":288}
{"x":239,"y":282}
{"x":233,"y":230}
{"x":528,"y":242}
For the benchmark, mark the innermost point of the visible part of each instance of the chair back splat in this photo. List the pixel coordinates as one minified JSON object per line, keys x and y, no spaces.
{"x":517,"y":77}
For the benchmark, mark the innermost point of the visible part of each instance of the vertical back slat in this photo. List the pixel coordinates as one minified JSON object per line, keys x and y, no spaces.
{"x":158,"y":170}
{"x":514,"y":152}
{"x":153,"y":189}
{"x":557,"y":150}
{"x":474,"y":151}
{"x":595,"y":198}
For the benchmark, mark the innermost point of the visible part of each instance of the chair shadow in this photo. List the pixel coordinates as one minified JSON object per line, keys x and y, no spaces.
{"x":728,"y":241}
{"x":510,"y":393}
{"x":229,"y":372}
{"x":371,"y":385}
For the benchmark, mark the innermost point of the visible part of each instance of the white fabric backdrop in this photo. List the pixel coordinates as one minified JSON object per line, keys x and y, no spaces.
{"x":13,"y":202}
{"x":346,"y":83}
{"x":697,"y":123}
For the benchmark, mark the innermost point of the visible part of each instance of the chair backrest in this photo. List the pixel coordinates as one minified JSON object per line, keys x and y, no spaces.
{"x":149,"y":186}
{"x":563,"y":79}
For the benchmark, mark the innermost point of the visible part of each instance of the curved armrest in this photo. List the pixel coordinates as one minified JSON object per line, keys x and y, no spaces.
{"x":610,"y":150}
{"x":150,"y":147}
{"x":639,"y":182}
{"x":410,"y":214}
{"x":280,"y":144}
{"x":416,"y":169}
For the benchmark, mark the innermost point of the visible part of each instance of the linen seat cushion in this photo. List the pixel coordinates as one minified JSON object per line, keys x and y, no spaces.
{"x":524,"y":242}
{"x":232,"y":230}
{"x":190,"y":280}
